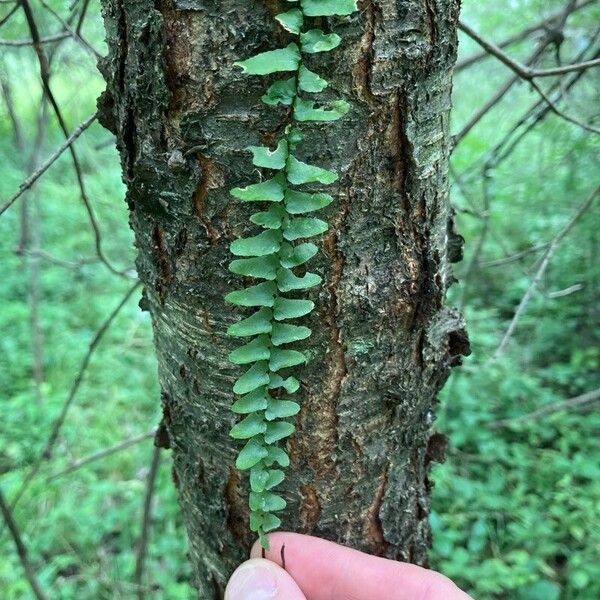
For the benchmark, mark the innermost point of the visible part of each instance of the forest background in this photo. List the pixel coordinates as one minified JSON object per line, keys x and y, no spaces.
{"x":516,"y":505}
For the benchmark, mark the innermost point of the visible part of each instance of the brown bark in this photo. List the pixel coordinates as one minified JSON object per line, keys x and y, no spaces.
{"x":383,"y":343}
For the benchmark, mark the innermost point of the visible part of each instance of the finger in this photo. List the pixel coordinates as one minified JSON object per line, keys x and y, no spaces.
{"x":324,"y":571}
{"x":259,"y":579}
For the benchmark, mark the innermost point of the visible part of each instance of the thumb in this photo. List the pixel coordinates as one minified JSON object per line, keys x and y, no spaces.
{"x":260,"y":579}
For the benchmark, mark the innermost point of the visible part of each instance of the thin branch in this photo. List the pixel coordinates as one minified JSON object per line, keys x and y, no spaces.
{"x":56,"y":37}
{"x":549,"y":408}
{"x":8,"y":15}
{"x":529,"y":75}
{"x":540,"y":272}
{"x":572,"y":289}
{"x":81,"y":20}
{"x":544,"y":24}
{"x":73,"y":33}
{"x":21,"y":549}
{"x":561,"y":113}
{"x":523,"y":71}
{"x":11,"y":110}
{"x":45,"y":77}
{"x":146,"y":518}
{"x":514,"y":257}
{"x":100,"y":454}
{"x":52,"y":438}
{"x":37,"y":252}
{"x":483,"y":233}
{"x":48,"y":163}
{"x":534,"y":115}
{"x":500,"y":93}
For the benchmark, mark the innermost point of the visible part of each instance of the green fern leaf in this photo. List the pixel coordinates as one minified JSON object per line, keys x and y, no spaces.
{"x":292,"y":20}
{"x":277,"y":430}
{"x":281,"y":92}
{"x":275,"y":477}
{"x":276,"y":455}
{"x":273,"y":502}
{"x":304,"y":227}
{"x":272,"y":61}
{"x":264,"y":157}
{"x":302,"y":202}
{"x":270,"y":219}
{"x":262,"y":267}
{"x":282,"y":359}
{"x":287,"y":281}
{"x":304,"y":110}
{"x":266,"y":191}
{"x":299,"y":172}
{"x":256,"y":295}
{"x":308,"y":81}
{"x":281,"y":409}
{"x":256,"y":522}
{"x":283,"y":333}
{"x":256,"y":376}
{"x":294,"y":256}
{"x":267,"y":242}
{"x":328,"y":8}
{"x":252,"y":402}
{"x":290,"y":385}
{"x":259,"y":322}
{"x":286,"y":308}
{"x":315,"y":40}
{"x":270,"y":522}
{"x":247,"y":428}
{"x":251,"y":454}
{"x":258,"y":479}
{"x":257,"y":349}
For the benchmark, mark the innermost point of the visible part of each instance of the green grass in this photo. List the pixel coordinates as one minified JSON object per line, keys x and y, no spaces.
{"x":515,"y":508}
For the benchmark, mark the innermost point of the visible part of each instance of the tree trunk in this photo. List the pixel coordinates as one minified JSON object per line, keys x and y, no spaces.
{"x":383,"y":343}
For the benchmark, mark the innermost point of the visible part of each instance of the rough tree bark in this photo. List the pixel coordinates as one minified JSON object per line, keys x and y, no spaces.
{"x":383,"y":342}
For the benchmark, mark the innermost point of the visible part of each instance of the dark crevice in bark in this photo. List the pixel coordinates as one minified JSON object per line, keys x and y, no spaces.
{"x":207,"y":179}
{"x":163,"y":261}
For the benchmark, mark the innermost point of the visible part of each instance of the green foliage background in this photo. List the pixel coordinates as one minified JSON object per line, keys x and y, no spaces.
{"x":516,"y":507}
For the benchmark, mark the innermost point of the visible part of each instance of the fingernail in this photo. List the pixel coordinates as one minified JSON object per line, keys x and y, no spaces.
{"x":252,"y":582}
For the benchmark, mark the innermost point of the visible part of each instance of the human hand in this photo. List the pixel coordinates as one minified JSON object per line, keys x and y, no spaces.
{"x":319,"y":570}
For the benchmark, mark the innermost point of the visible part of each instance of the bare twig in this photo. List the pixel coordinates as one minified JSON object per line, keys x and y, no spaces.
{"x":146,"y":518}
{"x":523,"y":71}
{"x":37,"y":252}
{"x":9,"y":14}
{"x":500,"y":93}
{"x":561,"y":113}
{"x":100,"y":454}
{"x":535,"y":114}
{"x":514,"y":257}
{"x":82,"y":14}
{"x":485,"y":228}
{"x":21,"y":549}
{"x":544,"y":24}
{"x":56,"y":37}
{"x":74,"y":33}
{"x":48,"y":163}
{"x":45,"y":77}
{"x":540,"y":272}
{"x":549,"y":408}
{"x":572,"y":289}
{"x":529,"y":75}
{"x":10,"y":109}
{"x":47,"y":452}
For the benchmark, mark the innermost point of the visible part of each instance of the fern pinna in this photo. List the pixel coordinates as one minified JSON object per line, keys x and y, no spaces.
{"x":273,"y":255}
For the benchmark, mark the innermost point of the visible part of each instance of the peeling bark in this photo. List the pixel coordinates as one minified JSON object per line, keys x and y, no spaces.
{"x":383,"y":342}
